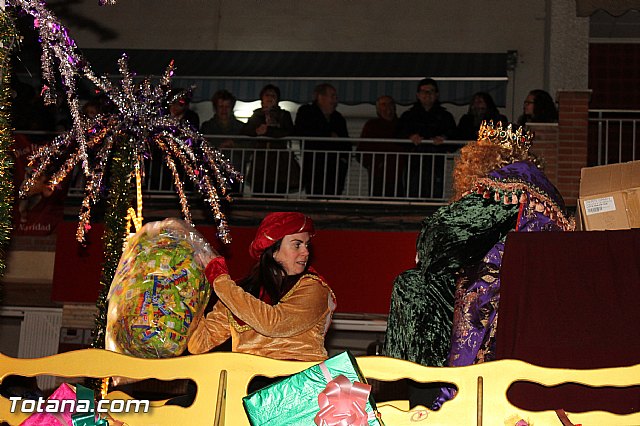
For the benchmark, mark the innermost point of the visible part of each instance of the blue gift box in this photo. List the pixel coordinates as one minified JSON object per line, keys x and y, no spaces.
{"x":294,"y":399}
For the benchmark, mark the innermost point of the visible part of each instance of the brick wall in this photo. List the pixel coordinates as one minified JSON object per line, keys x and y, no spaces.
{"x":572,"y":141}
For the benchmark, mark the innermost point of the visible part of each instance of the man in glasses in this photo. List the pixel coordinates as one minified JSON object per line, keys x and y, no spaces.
{"x":427,"y":124}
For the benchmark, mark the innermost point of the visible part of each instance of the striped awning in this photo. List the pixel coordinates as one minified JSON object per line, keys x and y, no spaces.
{"x":359,"y":77}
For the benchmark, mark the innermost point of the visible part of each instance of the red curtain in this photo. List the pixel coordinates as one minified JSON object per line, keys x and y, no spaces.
{"x":571,"y":300}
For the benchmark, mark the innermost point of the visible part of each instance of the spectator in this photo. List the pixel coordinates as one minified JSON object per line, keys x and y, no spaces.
{"x":223,"y":122}
{"x":381,"y":167}
{"x":321,"y":119}
{"x":273,"y":169}
{"x":426,"y":119}
{"x":179,"y":107}
{"x":538,"y":107}
{"x":384,"y":126}
{"x":481,"y":108}
{"x":269,"y":120}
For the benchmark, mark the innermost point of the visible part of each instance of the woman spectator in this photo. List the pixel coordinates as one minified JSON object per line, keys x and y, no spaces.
{"x":282,"y":309}
{"x":223,"y":122}
{"x":481,"y":108}
{"x":538,"y":107}
{"x":269,"y":120}
{"x":272,"y":121}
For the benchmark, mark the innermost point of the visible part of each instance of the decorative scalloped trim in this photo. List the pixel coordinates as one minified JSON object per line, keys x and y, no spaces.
{"x":514,"y":192}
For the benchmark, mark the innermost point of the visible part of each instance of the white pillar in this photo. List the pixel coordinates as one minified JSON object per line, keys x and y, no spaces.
{"x":568,"y":65}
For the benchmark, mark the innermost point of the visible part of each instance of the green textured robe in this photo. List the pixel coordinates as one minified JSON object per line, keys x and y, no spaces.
{"x":421,"y":312}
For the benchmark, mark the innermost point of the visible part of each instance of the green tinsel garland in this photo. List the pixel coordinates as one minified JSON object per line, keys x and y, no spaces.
{"x":115,"y":230}
{"x":115,"y":225}
{"x":7,"y":36}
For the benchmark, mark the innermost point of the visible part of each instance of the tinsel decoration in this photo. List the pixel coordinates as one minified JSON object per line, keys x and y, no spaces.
{"x":59,"y":52}
{"x":140,"y":114}
{"x":111,"y":145}
{"x":8,"y":35}
{"x":115,"y":229}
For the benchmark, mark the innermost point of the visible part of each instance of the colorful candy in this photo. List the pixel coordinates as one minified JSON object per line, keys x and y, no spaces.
{"x":158,"y":288}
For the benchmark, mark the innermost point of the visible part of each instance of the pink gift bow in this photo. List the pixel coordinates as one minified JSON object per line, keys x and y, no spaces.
{"x":342,"y":403}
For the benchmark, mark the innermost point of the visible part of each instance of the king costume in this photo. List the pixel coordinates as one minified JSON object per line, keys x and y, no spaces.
{"x":445,"y":310}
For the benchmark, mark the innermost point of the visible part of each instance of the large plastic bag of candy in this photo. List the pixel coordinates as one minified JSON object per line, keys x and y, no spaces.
{"x":157,"y":291}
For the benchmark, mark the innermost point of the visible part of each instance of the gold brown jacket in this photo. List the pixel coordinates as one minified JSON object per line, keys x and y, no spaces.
{"x":292,"y":329}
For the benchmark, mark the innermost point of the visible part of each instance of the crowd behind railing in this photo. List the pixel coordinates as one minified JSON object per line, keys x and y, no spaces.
{"x":310,"y":154}
{"x":292,"y":170}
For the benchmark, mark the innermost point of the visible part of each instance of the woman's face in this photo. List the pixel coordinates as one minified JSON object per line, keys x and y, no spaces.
{"x":224,"y":109}
{"x":293,"y":253}
{"x":528,"y":105}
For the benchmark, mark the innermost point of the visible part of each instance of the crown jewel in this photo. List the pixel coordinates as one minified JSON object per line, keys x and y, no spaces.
{"x":518,"y":140}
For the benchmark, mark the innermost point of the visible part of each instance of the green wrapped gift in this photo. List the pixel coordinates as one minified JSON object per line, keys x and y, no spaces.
{"x":323,"y":394}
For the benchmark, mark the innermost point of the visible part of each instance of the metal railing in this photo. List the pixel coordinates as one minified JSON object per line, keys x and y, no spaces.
{"x":339,"y":169}
{"x":327,"y":169}
{"x":362,"y":170}
{"x":614,"y":136}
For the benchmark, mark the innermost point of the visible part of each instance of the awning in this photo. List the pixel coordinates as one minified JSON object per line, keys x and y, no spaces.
{"x":359,"y":77}
{"x":613,"y":7}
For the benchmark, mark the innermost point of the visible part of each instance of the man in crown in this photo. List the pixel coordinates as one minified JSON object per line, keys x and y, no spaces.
{"x":444,"y":311}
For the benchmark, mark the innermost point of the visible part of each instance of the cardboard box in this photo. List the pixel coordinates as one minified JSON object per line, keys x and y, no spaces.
{"x":609,"y":197}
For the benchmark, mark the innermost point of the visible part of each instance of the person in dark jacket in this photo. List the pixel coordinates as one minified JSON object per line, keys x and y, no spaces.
{"x":269,"y":120}
{"x":427,"y":124}
{"x":224,"y":121}
{"x":323,"y":159}
{"x":273,"y":168}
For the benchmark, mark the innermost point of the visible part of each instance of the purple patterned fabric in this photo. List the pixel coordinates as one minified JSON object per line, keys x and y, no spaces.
{"x":478,"y":286}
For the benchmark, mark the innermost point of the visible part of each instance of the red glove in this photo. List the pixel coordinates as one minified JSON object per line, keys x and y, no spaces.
{"x":216,"y":267}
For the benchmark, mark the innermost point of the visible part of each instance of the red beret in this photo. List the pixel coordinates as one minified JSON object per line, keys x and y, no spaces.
{"x":275,"y":226}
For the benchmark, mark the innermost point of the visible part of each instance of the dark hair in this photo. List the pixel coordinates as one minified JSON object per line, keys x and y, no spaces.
{"x":491,"y":105}
{"x":544,"y":108}
{"x":270,"y":275}
{"x":426,"y":81}
{"x":224,"y":95}
{"x":270,"y":87}
{"x":321,"y":89}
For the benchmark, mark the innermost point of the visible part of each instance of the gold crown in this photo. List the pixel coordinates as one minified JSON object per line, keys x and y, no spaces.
{"x":518,"y":140}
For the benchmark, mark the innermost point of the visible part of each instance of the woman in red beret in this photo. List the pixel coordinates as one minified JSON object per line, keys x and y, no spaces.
{"x":282,"y":309}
